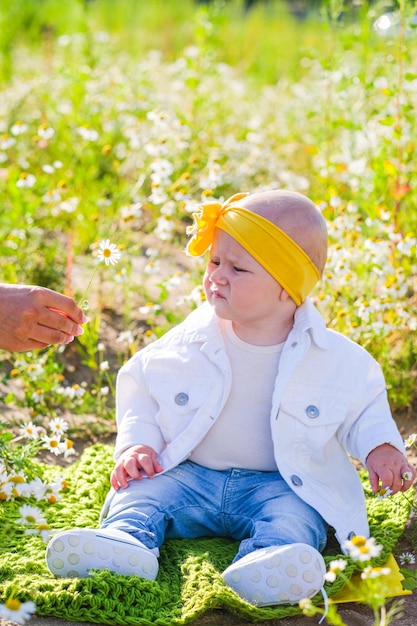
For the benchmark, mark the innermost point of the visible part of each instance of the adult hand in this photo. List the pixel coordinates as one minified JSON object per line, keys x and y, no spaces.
{"x":35,"y":317}
{"x":135,"y":462}
{"x":388,"y":466}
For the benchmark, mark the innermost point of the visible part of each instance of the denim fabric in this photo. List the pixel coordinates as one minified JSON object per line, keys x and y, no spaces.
{"x":257,"y":508}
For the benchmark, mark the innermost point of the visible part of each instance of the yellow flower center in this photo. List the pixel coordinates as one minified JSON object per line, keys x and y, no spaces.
{"x":359,"y":541}
{"x":13,"y":604}
{"x":16,"y":479}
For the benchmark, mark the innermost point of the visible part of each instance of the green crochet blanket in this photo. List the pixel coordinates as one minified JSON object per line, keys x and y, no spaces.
{"x":189,"y":581}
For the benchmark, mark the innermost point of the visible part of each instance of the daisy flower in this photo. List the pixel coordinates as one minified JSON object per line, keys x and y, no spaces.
{"x":52,"y":494}
{"x":334,"y":568}
{"x":361,"y":549}
{"x":384,"y":492}
{"x":37,"y":488}
{"x":410,"y":441}
{"x":407,"y":558}
{"x":25,"y":180}
{"x":58,"y":425}
{"x":37,"y":396}
{"x":30,"y":515}
{"x":375,"y":572}
{"x":44,"y":530}
{"x":17,"y":612}
{"x":53,"y":444}
{"x":108,"y":252}
{"x":29,"y":430}
{"x":68,"y":447}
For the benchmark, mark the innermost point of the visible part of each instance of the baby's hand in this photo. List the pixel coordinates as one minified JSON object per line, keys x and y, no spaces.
{"x":133,"y":463}
{"x":389,"y":466}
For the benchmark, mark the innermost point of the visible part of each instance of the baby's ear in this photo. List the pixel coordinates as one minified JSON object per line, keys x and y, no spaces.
{"x":284,"y":296}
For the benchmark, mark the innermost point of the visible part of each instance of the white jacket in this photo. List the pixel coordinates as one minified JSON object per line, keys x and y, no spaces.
{"x":329,"y":401}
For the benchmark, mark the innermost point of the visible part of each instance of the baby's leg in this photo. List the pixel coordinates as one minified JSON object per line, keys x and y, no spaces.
{"x":183,"y":503}
{"x":279,"y":562}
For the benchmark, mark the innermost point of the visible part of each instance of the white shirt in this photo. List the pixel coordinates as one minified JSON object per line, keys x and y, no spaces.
{"x":241,"y":436}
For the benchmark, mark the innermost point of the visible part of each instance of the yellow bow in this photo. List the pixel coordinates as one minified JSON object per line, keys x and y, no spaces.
{"x":205,"y":221}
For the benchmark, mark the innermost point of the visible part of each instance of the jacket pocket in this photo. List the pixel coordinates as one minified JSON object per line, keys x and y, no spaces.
{"x":313,"y":420}
{"x":178,"y":400}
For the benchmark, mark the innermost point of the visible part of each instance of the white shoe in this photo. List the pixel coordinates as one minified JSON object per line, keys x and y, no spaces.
{"x":72,"y":553}
{"x":277,"y":575}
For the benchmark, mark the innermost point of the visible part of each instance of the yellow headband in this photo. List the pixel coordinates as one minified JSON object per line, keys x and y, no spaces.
{"x":266,"y":242}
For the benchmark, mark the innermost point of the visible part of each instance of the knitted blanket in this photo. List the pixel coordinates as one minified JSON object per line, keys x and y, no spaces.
{"x":189,"y":581}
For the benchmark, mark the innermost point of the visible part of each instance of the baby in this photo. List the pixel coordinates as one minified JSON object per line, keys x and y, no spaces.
{"x":239,"y":421}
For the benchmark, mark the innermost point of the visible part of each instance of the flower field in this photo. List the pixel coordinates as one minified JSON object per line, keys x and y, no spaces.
{"x":113,"y":130}
{"x":118,"y":118}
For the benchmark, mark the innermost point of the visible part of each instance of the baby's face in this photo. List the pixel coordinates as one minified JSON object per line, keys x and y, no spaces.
{"x":238,"y":287}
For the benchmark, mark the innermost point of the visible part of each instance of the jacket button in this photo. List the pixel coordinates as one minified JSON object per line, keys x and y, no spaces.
{"x":312,"y":411}
{"x":181,"y":399}
{"x":296,"y":480}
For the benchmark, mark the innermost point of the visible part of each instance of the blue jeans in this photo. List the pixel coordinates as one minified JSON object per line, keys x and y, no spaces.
{"x":257,"y":508}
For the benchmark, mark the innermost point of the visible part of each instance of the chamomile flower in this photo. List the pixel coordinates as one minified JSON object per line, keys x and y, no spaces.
{"x":35,"y":370}
{"x":375,"y":572}
{"x":334,"y":568}
{"x":87,"y":133}
{"x":29,"y":430}
{"x":127,"y":336}
{"x":149,"y":307}
{"x":108,"y":252}
{"x":68,"y":447}
{"x":384,"y":492}
{"x":53,"y":444}
{"x":37,"y":488}
{"x":361,"y":549}
{"x":58,"y":425}
{"x":17,"y":612}
{"x":30,"y":515}
{"x":52,"y":494}
{"x":410,"y":441}
{"x":6,"y":491}
{"x":25,"y":180}
{"x":407,"y":558}
{"x":37,"y":396}
{"x":45,"y":132}
{"x":19,"y":128}
{"x":44,"y":530}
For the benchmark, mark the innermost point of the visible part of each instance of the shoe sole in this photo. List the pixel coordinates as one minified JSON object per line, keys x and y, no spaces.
{"x":277,"y":575}
{"x":71,"y":554}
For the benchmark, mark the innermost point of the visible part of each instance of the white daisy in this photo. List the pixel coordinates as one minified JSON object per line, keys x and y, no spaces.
{"x":361,"y":549}
{"x":108,"y":252}
{"x":30,"y":515}
{"x":58,"y":425}
{"x":15,"y":611}
{"x":407,"y":558}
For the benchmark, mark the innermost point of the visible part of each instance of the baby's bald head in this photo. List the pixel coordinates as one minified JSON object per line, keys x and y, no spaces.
{"x":297,"y":216}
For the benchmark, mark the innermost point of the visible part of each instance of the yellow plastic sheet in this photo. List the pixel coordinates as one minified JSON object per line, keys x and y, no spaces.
{"x":347,"y":594}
